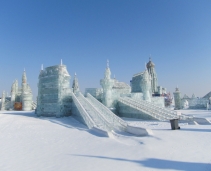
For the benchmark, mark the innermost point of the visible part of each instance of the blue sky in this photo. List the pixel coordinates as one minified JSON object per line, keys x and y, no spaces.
{"x":85,"y":33}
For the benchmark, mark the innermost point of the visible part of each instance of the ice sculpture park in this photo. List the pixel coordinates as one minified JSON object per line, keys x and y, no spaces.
{"x":115,"y":127}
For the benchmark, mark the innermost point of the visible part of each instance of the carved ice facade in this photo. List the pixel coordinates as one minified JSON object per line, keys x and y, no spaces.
{"x":54,"y":92}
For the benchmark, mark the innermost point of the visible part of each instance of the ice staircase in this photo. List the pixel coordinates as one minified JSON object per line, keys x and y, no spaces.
{"x":96,"y":115}
{"x":148,"y":108}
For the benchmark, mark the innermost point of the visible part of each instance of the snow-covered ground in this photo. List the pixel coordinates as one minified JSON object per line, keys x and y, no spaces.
{"x":29,"y":143}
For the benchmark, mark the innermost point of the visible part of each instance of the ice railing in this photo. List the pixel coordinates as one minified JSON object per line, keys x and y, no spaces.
{"x":148,"y":109}
{"x":100,"y":118}
{"x":173,"y":113}
{"x":88,"y":120}
{"x":167,"y":114}
{"x":164,"y":110}
{"x":138,"y":107}
{"x":109,"y":115}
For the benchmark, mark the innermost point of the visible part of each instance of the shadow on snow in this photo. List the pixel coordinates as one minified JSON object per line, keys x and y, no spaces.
{"x":160,"y":163}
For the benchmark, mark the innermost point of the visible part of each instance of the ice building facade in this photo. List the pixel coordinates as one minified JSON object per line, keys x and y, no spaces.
{"x":20,"y":98}
{"x":54,"y":92}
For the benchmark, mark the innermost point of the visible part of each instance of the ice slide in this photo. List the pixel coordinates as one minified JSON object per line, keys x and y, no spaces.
{"x":97,"y":116}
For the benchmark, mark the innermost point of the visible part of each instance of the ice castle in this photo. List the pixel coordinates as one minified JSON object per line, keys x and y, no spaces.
{"x":102,"y":108}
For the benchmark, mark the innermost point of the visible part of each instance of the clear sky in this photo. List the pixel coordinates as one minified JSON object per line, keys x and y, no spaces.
{"x":85,"y":33}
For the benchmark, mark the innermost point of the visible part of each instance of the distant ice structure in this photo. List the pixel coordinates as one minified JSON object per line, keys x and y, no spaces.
{"x":21,"y":98}
{"x":193,"y":102}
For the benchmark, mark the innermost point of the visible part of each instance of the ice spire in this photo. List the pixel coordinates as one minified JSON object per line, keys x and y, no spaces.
{"x":107,"y":71}
{"x":177,"y":88}
{"x":24,"y":79}
{"x":107,"y":63}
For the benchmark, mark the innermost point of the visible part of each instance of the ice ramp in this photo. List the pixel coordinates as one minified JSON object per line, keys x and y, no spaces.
{"x":99,"y":118}
{"x":137,"y":108}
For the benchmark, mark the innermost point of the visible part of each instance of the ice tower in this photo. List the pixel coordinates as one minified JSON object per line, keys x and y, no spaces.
{"x":54,"y":92}
{"x":151,"y":70}
{"x":107,"y":83}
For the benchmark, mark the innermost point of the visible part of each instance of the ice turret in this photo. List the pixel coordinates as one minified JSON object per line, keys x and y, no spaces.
{"x":107,"y":84}
{"x":151,"y":69}
{"x":75,"y":85}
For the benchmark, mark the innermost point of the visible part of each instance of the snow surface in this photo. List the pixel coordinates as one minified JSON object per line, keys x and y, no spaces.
{"x":30,"y":143}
